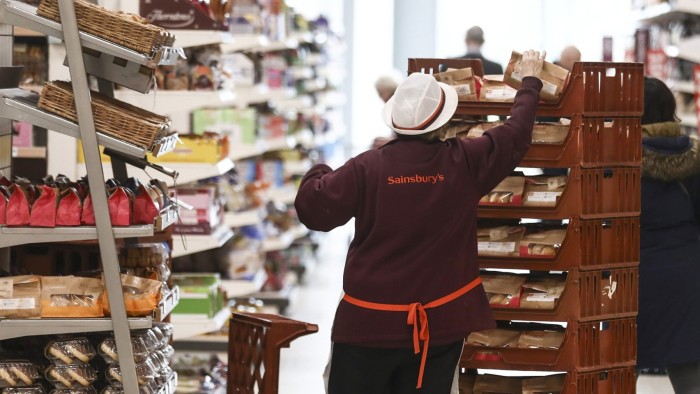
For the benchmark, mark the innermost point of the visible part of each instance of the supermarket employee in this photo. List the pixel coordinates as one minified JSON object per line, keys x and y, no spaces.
{"x":411,"y":281}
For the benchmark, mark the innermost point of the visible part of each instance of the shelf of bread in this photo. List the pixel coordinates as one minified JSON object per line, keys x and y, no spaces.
{"x":16,"y":328}
{"x":23,"y":15}
{"x":591,"y":89}
{"x":244,"y":218}
{"x":584,"y":141}
{"x":192,"y":325}
{"x":185,"y":244}
{"x":602,"y":380}
{"x":244,"y":286}
{"x":666,"y":12}
{"x":29,"y":152}
{"x":580,"y":244}
{"x":284,"y":240}
{"x":187,"y":172}
{"x":576,"y":295}
{"x":21,"y":105}
{"x":588,"y":193}
{"x":539,"y":347}
{"x":12,"y":236}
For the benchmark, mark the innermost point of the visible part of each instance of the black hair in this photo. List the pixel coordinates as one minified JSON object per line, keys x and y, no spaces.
{"x":659,"y":102}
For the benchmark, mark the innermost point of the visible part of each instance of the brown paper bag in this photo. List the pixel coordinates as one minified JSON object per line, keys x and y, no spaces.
{"x":141,"y":295}
{"x":552,"y":384}
{"x":542,"y":191}
{"x":508,"y":192}
{"x":541,"y":339}
{"x":542,"y":293}
{"x":496,"y":337}
{"x":499,"y":241}
{"x":542,"y":243}
{"x":71,"y":296}
{"x":462,"y":80}
{"x":549,"y":133}
{"x":19,"y":297}
{"x":494,"y":384}
{"x":553,"y":78}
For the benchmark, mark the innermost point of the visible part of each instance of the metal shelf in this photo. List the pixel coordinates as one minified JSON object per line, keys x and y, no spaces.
{"x":200,"y":243}
{"x":17,"y":328}
{"x":242,"y":287}
{"x":167,"y":304}
{"x":188,"y":172}
{"x":192,"y":325}
{"x":284,"y":240}
{"x":23,"y":15}
{"x":21,"y":105}
{"x":244,"y":218}
{"x":11,"y":236}
{"x":665,"y":12}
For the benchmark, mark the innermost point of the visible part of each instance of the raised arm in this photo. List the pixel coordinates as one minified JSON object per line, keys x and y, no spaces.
{"x":326,"y":198}
{"x":494,"y":155}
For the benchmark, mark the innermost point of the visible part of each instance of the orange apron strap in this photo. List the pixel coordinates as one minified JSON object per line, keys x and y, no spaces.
{"x":417,"y":317}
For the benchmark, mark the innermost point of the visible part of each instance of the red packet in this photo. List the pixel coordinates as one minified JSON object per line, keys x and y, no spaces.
{"x":4,"y":197}
{"x":18,"y":208}
{"x":120,"y":206}
{"x":145,"y":208}
{"x":69,"y":208}
{"x":87,"y":218}
{"x":44,"y":208}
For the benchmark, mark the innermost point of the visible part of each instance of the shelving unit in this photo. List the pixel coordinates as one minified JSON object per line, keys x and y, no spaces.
{"x":111,"y":63}
{"x":185,"y":244}
{"x":601,"y":246}
{"x":191,"y":325}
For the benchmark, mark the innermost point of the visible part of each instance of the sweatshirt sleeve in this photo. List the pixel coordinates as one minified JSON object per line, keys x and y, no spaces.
{"x":326,"y":198}
{"x":491,"y":157}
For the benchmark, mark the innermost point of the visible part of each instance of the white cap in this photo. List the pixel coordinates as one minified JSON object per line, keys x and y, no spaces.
{"x":421,"y":104}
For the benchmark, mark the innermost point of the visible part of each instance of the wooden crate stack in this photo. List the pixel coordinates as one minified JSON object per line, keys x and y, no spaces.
{"x":602,"y":204}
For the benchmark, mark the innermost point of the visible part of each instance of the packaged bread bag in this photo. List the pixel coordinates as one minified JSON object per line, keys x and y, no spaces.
{"x":495,"y":337}
{"x":544,"y":191}
{"x":141,"y":295}
{"x":499,"y":241}
{"x":542,"y":293}
{"x":71,"y":296}
{"x":494,"y":384}
{"x":542,"y":243}
{"x":463,"y":81}
{"x":552,"y":384}
{"x":553,"y":77}
{"x":508,"y":192}
{"x":503,"y":290}
{"x":541,"y":339}
{"x":19,"y":297}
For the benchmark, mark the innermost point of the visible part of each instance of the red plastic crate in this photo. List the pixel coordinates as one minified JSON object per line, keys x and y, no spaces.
{"x":594,"y":89}
{"x":590,"y":143}
{"x":590,"y":193}
{"x":583,"y":298}
{"x":587,"y":346}
{"x":589,"y":244}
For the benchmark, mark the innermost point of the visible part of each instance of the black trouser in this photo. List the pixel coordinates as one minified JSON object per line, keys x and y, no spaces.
{"x":365,"y":370}
{"x":685,"y":378}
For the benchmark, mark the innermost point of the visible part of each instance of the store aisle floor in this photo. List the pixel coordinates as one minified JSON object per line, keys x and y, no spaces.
{"x":315,"y":302}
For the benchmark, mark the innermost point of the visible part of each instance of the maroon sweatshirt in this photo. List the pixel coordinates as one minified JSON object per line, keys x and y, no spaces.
{"x":414,"y":205}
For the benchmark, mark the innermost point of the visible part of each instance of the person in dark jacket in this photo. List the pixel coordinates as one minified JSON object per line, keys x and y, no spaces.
{"x":414,"y":254}
{"x":669,"y":270}
{"x":474,"y":40}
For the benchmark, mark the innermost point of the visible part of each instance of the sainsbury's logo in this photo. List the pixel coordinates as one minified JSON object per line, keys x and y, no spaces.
{"x":403,"y":180}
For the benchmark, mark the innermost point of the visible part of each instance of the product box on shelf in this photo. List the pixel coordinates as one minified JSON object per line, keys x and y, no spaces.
{"x":207,"y":148}
{"x":199,"y":293}
{"x":206,"y":214}
{"x":238,"y":125}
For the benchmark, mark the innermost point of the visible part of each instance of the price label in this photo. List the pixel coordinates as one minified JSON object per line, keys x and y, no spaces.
{"x":496,"y":247}
{"x":543,"y":196}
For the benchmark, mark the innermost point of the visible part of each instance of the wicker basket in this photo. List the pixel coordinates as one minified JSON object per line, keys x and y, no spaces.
{"x":112,"y":117}
{"x":128,"y":30}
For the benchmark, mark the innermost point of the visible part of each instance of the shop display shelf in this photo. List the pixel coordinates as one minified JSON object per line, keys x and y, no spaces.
{"x":688,"y":49}
{"x":594,"y":89}
{"x":187,"y":172}
{"x":599,"y":381}
{"x":167,"y":304}
{"x":284,"y":240}
{"x":185,"y":244}
{"x":681,"y":86}
{"x":192,"y":325}
{"x":244,"y":218}
{"x":16,"y":328}
{"x":586,"y":347}
{"x":187,"y":38}
{"x":280,"y":300}
{"x":590,"y":193}
{"x":588,"y":245}
{"x":283,"y":195}
{"x":664,"y":12}
{"x":591,"y":142}
{"x":296,"y":167}
{"x":12,"y":236}
{"x":23,"y":15}
{"x":244,"y":286}
{"x":244,"y":151}
{"x":588,"y":295}
{"x":688,"y":119}
{"x":21,"y":105}
{"x":203,"y":343}
{"x":28,"y":152}
{"x":167,"y":218}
